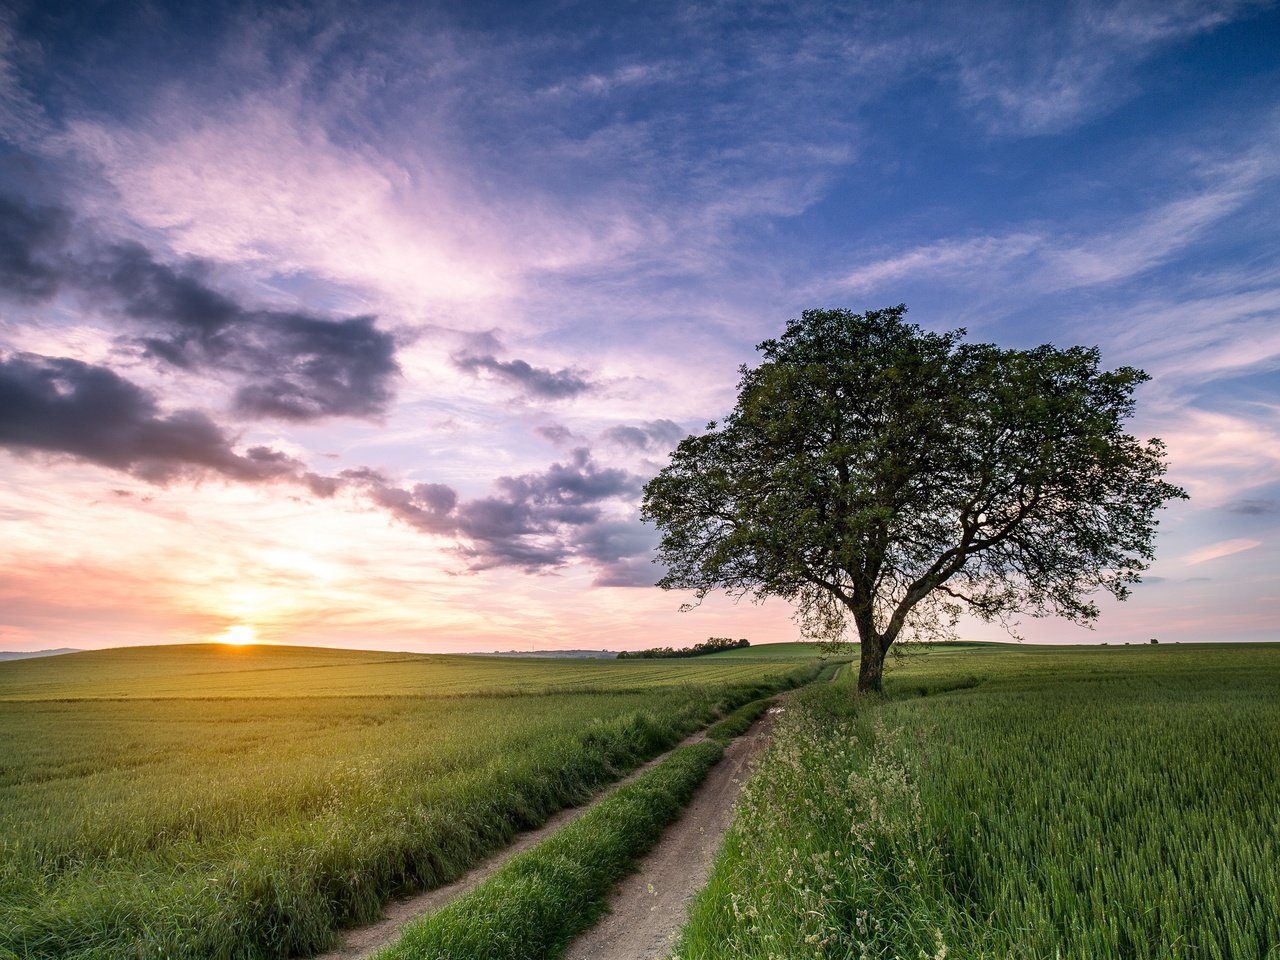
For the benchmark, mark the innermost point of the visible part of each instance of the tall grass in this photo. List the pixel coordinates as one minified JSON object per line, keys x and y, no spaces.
{"x":215,"y":827}
{"x":1094,"y":804}
{"x":541,"y":899}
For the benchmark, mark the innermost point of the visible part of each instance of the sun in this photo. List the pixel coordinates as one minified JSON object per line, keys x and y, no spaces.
{"x":238,"y":636}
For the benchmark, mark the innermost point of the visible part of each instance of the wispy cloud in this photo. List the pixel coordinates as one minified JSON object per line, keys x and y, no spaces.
{"x":1071,"y":62}
{"x":267,"y":186}
{"x":1038,"y":261}
{"x":1216,"y":551}
{"x":976,"y":257}
{"x":1166,"y":230}
{"x":1217,"y":456}
{"x":1194,"y":338}
{"x":602,"y":84}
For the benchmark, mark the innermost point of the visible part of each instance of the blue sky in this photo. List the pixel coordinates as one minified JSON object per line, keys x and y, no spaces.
{"x":366,"y":327}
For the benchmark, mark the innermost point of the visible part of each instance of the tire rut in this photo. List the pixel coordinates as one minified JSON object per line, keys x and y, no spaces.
{"x":647,"y":909}
{"x":360,"y":943}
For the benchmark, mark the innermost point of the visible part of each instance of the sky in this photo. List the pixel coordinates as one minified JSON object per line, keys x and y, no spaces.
{"x":364,"y":325}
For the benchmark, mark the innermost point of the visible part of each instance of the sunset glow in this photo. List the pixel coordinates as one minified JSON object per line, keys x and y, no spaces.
{"x":365,"y":326}
{"x":238,"y":636}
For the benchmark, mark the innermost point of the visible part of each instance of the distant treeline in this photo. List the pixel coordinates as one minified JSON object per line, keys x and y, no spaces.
{"x":710,"y":645}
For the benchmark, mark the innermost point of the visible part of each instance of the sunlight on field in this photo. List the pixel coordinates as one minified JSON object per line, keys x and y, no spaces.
{"x":238,"y":636}
{"x":215,"y":800}
{"x":221,"y":670}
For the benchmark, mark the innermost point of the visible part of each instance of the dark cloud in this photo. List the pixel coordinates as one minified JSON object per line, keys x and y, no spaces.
{"x":291,"y":365}
{"x":575,"y":483}
{"x":621,"y":553}
{"x":31,"y":241}
{"x":533,"y":381}
{"x":305,"y":368}
{"x":63,"y":406}
{"x":321,"y":486}
{"x":652,"y":435}
{"x":532,"y":522}
{"x":555,"y":434}
{"x":1252,"y":508}
{"x":146,"y":290}
{"x":296,"y":366}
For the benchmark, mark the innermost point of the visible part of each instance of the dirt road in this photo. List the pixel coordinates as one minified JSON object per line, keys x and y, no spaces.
{"x":360,"y":943}
{"x":647,"y":909}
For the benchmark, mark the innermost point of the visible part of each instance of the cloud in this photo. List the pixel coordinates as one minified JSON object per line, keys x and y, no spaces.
{"x":292,"y":365}
{"x":1158,"y":234}
{"x":532,"y":381}
{"x":603,"y":84}
{"x":21,"y":117}
{"x":556,"y":434}
{"x":31,"y":240}
{"x":653,"y":434}
{"x":1045,"y":263}
{"x":622,"y":552}
{"x":944,"y":257}
{"x":406,"y":215}
{"x":63,"y":406}
{"x":532,"y":522}
{"x":1215,"y":551}
{"x":1070,"y":62}
{"x":1198,"y":338}
{"x":1216,"y":456}
{"x":1252,"y":508}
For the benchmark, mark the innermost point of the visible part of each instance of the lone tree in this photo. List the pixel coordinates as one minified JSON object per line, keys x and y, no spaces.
{"x":879,"y":475}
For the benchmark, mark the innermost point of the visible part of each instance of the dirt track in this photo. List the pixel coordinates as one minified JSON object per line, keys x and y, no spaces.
{"x":648,"y":908}
{"x":359,"y":943}
{"x":645,"y":910}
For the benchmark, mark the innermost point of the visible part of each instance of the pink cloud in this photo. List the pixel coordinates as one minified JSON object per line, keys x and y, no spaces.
{"x":1223,"y":548}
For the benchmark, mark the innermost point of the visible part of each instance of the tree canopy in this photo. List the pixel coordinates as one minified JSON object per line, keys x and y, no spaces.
{"x":884,"y":478}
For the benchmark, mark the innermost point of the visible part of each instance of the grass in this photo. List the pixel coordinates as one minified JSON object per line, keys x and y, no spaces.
{"x":739,"y":721}
{"x":241,"y":803}
{"x":541,"y":899}
{"x":217,"y":671}
{"x":1032,"y":803}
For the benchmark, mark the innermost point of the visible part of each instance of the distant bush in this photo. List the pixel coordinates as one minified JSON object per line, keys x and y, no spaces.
{"x":710,"y":645}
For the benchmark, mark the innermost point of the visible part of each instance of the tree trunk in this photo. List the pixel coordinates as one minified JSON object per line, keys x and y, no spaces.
{"x":871,"y":665}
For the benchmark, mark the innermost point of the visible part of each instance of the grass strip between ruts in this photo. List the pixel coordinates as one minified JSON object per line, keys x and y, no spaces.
{"x":541,"y":899}
{"x":739,"y":721}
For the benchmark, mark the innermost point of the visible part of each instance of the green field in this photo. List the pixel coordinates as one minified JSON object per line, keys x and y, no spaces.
{"x":212,"y":801}
{"x":220,"y":671}
{"x":1015,"y":802}
{"x":1003,"y":801}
